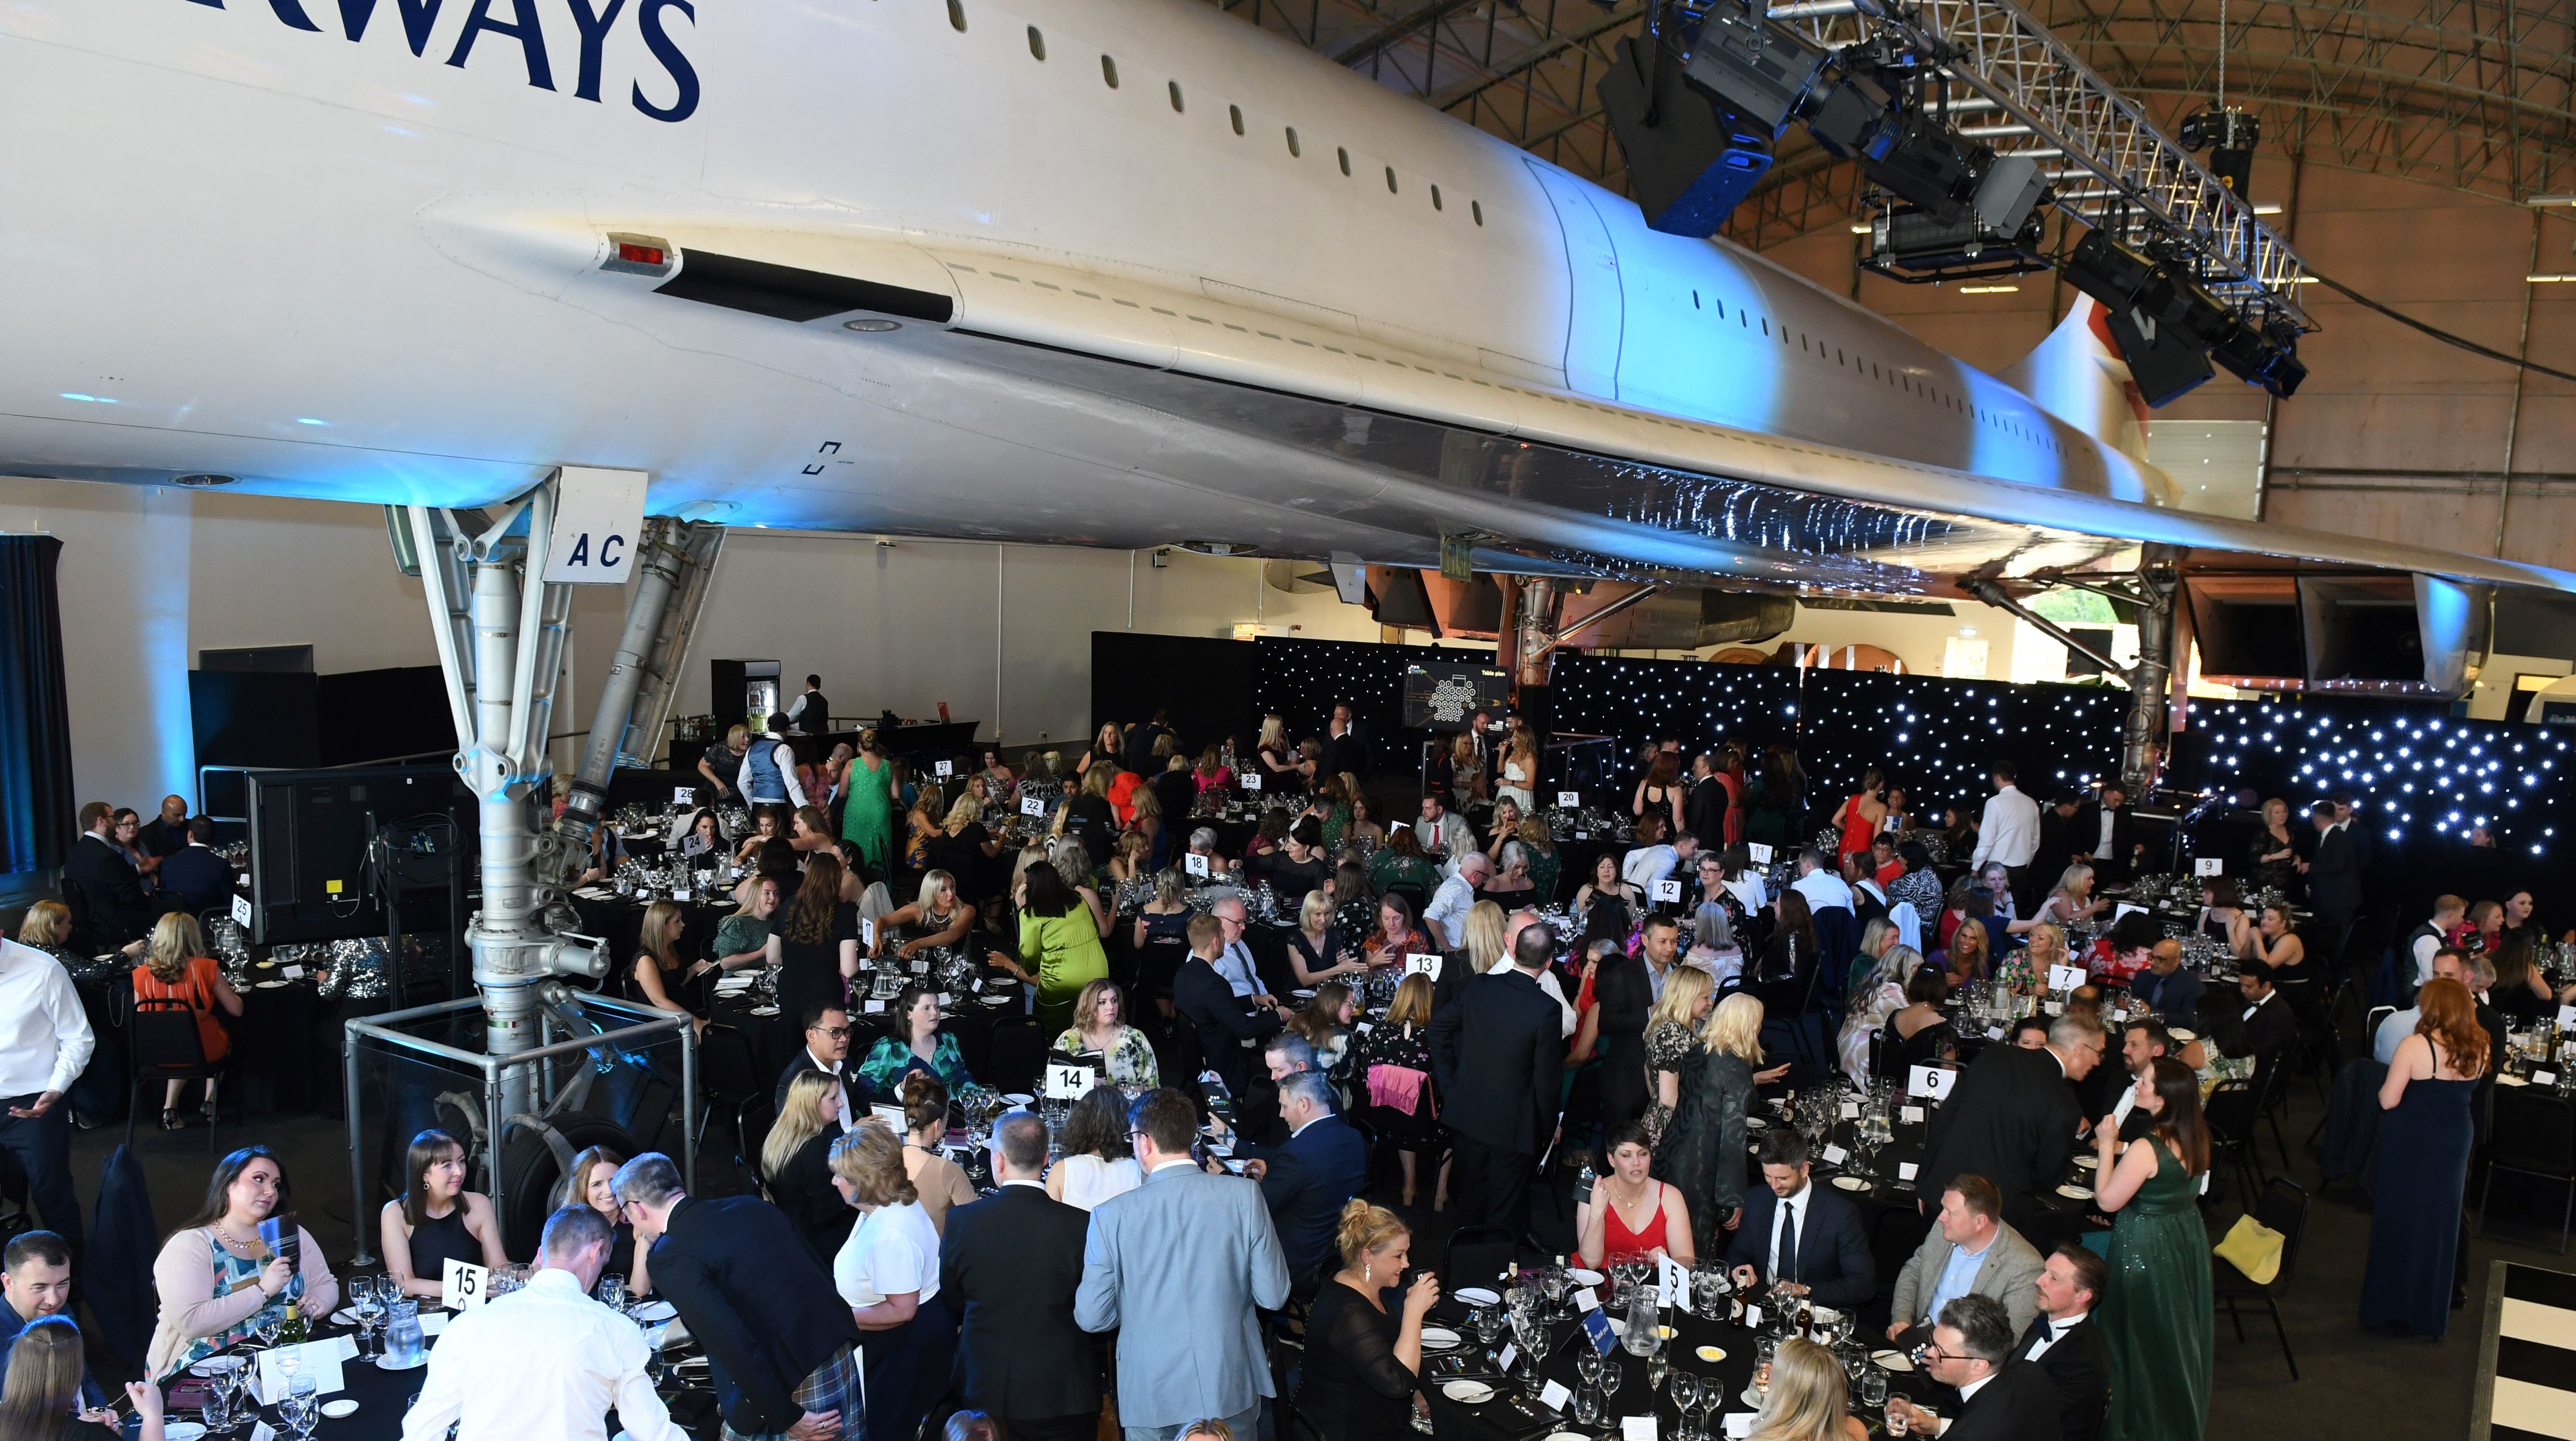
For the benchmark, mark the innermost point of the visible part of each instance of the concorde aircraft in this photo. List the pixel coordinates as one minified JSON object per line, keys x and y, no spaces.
{"x":1106,"y":272}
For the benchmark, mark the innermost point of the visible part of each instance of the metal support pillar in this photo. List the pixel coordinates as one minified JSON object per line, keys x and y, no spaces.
{"x":1534,"y":632}
{"x":2144,"y":731}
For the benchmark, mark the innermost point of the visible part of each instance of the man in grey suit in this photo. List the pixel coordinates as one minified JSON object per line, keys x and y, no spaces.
{"x":1191,"y":1256}
{"x":1969,"y":1250}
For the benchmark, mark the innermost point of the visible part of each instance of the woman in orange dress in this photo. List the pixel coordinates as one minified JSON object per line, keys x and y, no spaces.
{"x":176,"y":968}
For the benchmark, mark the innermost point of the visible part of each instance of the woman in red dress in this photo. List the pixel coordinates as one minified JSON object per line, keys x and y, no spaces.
{"x":1632,"y":1216}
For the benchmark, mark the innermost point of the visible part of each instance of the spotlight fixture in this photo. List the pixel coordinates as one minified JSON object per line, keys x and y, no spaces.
{"x":2229,"y":135}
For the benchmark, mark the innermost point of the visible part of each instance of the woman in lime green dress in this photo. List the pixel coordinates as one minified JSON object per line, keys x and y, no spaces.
{"x":1059,"y":944}
{"x":2155,"y":1316}
{"x":867,"y":817}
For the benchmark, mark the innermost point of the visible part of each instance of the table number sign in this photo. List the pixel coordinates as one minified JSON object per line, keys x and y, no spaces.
{"x":1195,"y":864}
{"x":1668,"y":891}
{"x":1929,"y":1081}
{"x":462,"y":1285}
{"x":1760,"y":853}
{"x":2065,"y":978}
{"x":943,"y":769}
{"x":1032,"y":806}
{"x":2208,"y":866}
{"x":684,"y":795}
{"x":1422,"y":965}
{"x":241,"y":910}
{"x":1067,"y":1083}
{"x":1571,"y":800}
{"x":1250,"y":781}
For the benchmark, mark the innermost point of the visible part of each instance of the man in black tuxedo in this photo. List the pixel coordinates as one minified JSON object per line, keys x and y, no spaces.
{"x":1798,"y":1237}
{"x":2270,"y":1028}
{"x":1997,"y":1402}
{"x":2057,"y":844}
{"x":2013,"y":1114}
{"x":1010,"y":1264}
{"x":754,"y":1294}
{"x":1229,"y":1026}
{"x":2105,"y":835}
{"x":194,"y":874}
{"x":827,"y":1048}
{"x":111,"y":893}
{"x":1307,"y":1180}
{"x":166,"y":833}
{"x":2334,"y":883}
{"x":1499,"y":1056}
{"x":1704,"y":809}
{"x":2064,"y":1343}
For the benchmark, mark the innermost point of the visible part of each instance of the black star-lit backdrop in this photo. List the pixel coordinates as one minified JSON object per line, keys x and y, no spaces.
{"x":2418,"y":774}
{"x":1938,"y":740}
{"x":1301,"y":681}
{"x":1691,"y":701}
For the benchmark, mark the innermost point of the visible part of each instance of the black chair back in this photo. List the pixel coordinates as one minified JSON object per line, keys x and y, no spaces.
{"x":1481,"y":1256}
{"x":2230,"y":1113}
{"x":724,"y":1064}
{"x":1017,"y":1058}
{"x":165,"y":1037}
{"x":2283,"y":1206}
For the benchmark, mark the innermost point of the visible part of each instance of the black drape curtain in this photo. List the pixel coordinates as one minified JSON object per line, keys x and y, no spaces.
{"x":36,"y":805}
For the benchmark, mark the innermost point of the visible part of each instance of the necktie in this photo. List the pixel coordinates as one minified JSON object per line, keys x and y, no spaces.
{"x":1785,"y":1268}
{"x":2047,"y":1329}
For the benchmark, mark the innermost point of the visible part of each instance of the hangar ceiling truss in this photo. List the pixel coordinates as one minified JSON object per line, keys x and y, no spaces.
{"x":2474,"y":95}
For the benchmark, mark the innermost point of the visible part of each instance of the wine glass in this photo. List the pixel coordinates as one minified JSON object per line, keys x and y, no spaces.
{"x":612,"y":1292}
{"x":1611,"y":1375}
{"x":1685,"y":1390}
{"x":1588,"y":1363}
{"x":301,"y":1408}
{"x":270,"y":1321}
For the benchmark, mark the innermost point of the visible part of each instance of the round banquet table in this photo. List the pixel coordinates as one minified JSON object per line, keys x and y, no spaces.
{"x":1513,"y":1416}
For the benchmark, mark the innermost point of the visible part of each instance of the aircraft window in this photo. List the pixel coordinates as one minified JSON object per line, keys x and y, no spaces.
{"x":1109,"y":71}
{"x":1293,"y":151}
{"x":957,"y":16}
{"x":1037,"y":43}
{"x":1721,"y":310}
{"x":1477,"y":209}
{"x":1176,"y":97}
{"x":1802,"y":340}
{"x":1435,"y":197}
{"x":1390,"y":180}
{"x":1346,"y":159}
{"x":1236,"y":111}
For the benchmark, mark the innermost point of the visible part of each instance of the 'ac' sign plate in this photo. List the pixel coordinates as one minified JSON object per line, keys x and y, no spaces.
{"x":599,"y":515}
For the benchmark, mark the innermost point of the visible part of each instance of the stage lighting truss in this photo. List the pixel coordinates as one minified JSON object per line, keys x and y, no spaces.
{"x":2033,"y":96}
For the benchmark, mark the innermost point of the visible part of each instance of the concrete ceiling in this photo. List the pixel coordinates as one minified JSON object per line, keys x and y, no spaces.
{"x":2474,"y":95}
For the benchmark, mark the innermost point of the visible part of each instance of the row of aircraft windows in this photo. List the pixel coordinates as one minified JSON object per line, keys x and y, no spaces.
{"x":1296,"y":149}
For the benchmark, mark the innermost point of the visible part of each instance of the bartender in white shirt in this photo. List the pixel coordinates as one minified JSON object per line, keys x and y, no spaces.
{"x":2008,"y":834}
{"x":546,"y":1359}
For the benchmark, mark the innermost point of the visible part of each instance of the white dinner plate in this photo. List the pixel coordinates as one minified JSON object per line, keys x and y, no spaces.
{"x":1756,"y":1123}
{"x":2088,"y":1162}
{"x":1016,"y":1098}
{"x":652,"y":1311}
{"x":215,"y":1366}
{"x":1439,"y":1337}
{"x":1583,"y":1277}
{"x":1850,"y":1183}
{"x":2179,"y":1034}
{"x":1479,"y":1296}
{"x":764,"y":1010}
{"x":1468,"y":1393}
{"x":1891,"y":1361}
{"x":2076,"y":1193}
{"x":1569,"y":1436}
{"x":182,"y":1431}
{"x":268,"y":985}
{"x":340,"y":1408}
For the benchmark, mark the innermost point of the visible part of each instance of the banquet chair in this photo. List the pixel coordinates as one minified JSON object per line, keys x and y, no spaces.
{"x":2534,"y":1135}
{"x":166,"y":1047}
{"x":2283,"y":1206}
{"x":725,"y":1081}
{"x":1017,"y":1056}
{"x":2231,"y":1116}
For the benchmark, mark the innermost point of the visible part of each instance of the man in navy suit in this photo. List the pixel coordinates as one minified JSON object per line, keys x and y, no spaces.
{"x":194,"y":873}
{"x":1013,"y":1262}
{"x":1307,"y":1181}
{"x":1797,"y":1234}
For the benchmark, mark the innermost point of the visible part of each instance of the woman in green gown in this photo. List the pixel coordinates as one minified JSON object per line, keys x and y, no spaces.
{"x":2155,"y":1317}
{"x":867,"y":817}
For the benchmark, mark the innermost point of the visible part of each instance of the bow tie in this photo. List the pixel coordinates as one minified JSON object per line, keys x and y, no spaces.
{"x":2048,"y":1330}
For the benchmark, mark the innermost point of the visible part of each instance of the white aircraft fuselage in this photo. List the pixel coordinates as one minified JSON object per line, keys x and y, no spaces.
{"x":1197,"y":283}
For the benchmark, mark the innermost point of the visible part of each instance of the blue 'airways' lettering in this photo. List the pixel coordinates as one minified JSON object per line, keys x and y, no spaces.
{"x":530,"y":38}
{"x":417,"y":17}
{"x":648,"y":18}
{"x":594,"y":36}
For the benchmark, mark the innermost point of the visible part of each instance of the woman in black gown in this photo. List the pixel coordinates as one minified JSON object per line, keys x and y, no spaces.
{"x":1363,"y":1361}
{"x":814,"y":941}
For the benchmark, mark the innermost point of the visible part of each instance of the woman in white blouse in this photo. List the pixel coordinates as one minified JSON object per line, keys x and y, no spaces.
{"x":888,"y":1270}
{"x":1098,"y":1162}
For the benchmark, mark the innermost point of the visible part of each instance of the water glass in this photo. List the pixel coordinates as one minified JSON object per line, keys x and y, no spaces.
{"x":1685,"y":1390}
{"x":1611,"y":1375}
{"x":612,"y":1292}
{"x":301,"y":1408}
{"x":1873,"y":1388}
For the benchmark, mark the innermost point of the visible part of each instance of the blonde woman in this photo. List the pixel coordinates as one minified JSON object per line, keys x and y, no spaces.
{"x":795,"y":1162}
{"x":1484,"y":936}
{"x":1881,"y":994}
{"x":1703,"y":1149}
{"x":1100,"y":1029}
{"x":587,"y":1183}
{"x":2072,"y":901}
{"x":1279,"y":761}
{"x":1672,"y":1042}
{"x":1363,"y":1361}
{"x":48,"y":928}
{"x":1520,"y":771}
{"x":1807,"y":1400}
{"x":888,"y":1271}
{"x":1317,"y":950}
{"x":177,"y":969}
{"x":1394,"y":1072}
